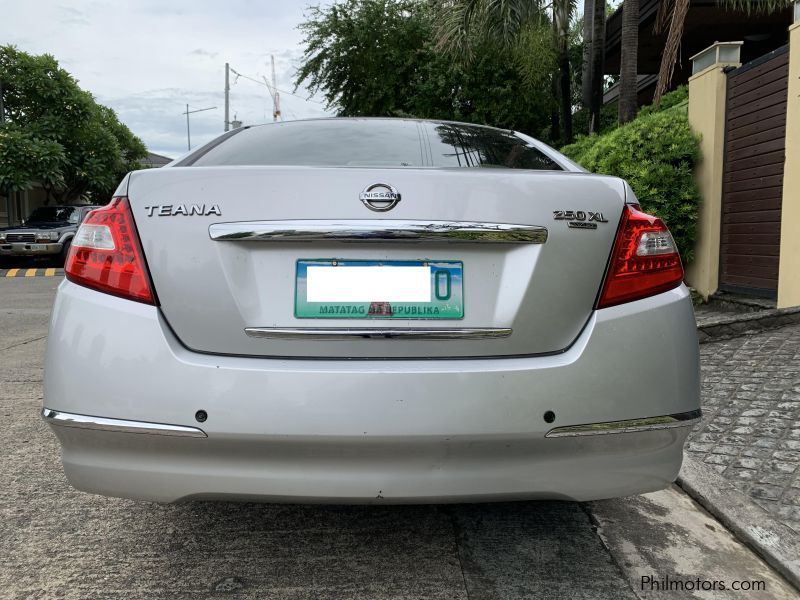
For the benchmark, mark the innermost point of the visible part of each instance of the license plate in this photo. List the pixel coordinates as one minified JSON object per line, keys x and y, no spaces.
{"x":38,"y":246}
{"x":365,"y":289}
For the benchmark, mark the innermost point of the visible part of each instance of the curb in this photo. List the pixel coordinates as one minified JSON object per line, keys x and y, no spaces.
{"x":727,"y":327}
{"x":776,"y":543}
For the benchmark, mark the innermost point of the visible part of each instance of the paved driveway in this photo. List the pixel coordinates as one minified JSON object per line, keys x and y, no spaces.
{"x":751,"y":424}
{"x":56,"y":542}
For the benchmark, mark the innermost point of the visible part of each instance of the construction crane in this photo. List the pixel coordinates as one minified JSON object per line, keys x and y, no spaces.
{"x":272,"y":88}
{"x":273,"y":91}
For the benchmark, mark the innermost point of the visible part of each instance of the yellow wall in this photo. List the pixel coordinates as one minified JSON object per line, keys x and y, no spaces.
{"x":789,"y":270}
{"x":707,"y":91}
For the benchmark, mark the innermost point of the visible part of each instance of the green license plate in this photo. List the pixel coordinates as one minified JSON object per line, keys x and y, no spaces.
{"x":368,"y":289}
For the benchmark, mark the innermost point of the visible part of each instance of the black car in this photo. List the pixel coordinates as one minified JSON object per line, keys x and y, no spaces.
{"x":47,"y":232}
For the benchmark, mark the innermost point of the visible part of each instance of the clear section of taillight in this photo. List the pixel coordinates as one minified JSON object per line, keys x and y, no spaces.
{"x":654,"y":243}
{"x":106,"y":254}
{"x":98,"y":237}
{"x":644,"y":262}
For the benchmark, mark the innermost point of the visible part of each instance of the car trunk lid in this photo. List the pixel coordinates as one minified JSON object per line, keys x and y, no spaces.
{"x":225,"y":247}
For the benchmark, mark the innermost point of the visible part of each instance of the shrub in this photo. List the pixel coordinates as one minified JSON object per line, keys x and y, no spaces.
{"x":676,"y":97}
{"x":656,"y":153}
{"x":608,"y":118}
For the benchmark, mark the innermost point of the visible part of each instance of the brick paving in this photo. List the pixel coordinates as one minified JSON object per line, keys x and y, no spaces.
{"x":750,"y":432}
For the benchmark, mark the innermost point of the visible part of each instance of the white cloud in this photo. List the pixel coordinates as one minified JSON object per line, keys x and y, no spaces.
{"x":147,"y":59}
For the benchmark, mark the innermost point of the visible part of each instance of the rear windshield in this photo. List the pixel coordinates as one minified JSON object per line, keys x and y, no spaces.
{"x":376,"y":143}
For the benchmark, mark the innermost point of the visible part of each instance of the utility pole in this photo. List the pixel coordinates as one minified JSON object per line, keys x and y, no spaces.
{"x":227,"y":95}
{"x":188,"y":132}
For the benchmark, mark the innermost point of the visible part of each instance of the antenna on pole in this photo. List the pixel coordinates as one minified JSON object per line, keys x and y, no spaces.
{"x":188,"y":132}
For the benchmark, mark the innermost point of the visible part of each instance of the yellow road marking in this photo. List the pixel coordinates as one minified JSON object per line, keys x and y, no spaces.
{"x":49,"y":272}
{"x":30,"y":273}
{"x":12,"y":273}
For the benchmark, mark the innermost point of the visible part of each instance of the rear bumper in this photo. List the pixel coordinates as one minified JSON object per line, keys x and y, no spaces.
{"x":361,"y":431}
{"x":29,"y":249}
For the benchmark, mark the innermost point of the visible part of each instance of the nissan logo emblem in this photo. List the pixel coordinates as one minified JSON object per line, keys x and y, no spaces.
{"x":380,"y":197}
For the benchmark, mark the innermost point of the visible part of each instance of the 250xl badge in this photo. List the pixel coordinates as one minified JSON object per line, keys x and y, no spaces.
{"x":579,"y":219}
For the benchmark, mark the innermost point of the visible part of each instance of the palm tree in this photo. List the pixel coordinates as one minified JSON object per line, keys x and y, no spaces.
{"x":598,"y":56}
{"x":461,"y":21}
{"x":672,"y":13}
{"x":628,"y":70}
{"x":586,"y":73}
{"x":562,"y":15}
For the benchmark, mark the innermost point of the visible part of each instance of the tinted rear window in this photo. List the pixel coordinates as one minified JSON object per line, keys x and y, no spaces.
{"x":457,"y":145}
{"x":49,"y":214}
{"x":376,"y":143}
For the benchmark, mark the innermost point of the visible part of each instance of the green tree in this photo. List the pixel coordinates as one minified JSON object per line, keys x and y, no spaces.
{"x":378,"y":58}
{"x":56,"y":135}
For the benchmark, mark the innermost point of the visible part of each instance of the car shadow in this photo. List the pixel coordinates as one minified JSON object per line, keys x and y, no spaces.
{"x":498,"y":550}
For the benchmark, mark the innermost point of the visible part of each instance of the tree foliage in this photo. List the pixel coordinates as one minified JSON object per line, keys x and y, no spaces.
{"x":656,"y":153}
{"x":379,"y":58}
{"x":464,"y":25}
{"x":57,"y":135}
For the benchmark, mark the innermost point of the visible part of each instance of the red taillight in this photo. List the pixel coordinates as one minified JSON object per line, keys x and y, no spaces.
{"x":645,"y":260}
{"x":106,"y":254}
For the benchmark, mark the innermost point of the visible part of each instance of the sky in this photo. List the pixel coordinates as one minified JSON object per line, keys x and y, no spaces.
{"x":147,"y":59}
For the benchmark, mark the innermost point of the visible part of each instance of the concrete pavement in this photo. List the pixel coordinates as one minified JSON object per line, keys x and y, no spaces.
{"x":57,"y":542}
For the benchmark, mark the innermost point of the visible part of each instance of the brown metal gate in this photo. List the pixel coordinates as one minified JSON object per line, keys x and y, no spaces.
{"x":755,"y":132}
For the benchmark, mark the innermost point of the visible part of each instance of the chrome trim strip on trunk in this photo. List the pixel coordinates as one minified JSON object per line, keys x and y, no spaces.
{"x":65,"y":419}
{"x":350,"y":333}
{"x":685,"y":419}
{"x":373,"y":230}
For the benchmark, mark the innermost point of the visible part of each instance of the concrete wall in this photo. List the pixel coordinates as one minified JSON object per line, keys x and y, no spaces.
{"x":707,"y":94}
{"x":789,"y":269}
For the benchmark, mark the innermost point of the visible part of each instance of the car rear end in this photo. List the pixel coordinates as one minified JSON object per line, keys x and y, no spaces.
{"x":339,"y":311}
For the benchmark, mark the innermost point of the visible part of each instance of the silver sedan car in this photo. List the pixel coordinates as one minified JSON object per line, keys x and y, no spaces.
{"x":372,"y":310}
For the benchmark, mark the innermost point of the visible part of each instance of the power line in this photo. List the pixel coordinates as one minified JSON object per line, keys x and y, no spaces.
{"x":235,"y":72}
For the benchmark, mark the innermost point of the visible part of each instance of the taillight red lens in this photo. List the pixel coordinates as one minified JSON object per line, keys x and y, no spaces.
{"x":106,"y":254}
{"x":645,"y":260}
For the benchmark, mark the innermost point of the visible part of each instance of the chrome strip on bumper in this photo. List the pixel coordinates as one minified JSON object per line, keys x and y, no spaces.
{"x":64,"y":419}
{"x":685,"y":419}
{"x":350,"y":333}
{"x":363,"y":230}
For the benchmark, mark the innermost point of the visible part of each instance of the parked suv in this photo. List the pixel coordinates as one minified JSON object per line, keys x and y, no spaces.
{"x":47,"y":232}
